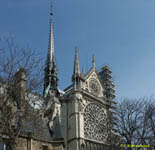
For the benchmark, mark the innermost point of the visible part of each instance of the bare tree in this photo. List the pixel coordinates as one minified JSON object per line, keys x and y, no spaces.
{"x":136,"y":121}
{"x":149,"y":123}
{"x":16,"y":66}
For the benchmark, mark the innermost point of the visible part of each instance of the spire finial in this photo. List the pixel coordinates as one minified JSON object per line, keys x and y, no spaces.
{"x":51,"y":9}
{"x":76,"y":63}
{"x":93,"y":61}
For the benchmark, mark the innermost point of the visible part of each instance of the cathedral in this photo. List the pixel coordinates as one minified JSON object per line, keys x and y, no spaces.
{"x":80,"y":117}
{"x":83,"y":113}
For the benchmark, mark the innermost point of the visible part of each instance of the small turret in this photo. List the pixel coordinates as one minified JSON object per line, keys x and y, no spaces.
{"x":76,"y":64}
{"x":82,"y":73}
{"x":77,"y":77}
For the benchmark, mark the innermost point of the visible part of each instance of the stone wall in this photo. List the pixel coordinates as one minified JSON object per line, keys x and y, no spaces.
{"x":64,"y":121}
{"x":24,"y":143}
{"x":38,"y":145}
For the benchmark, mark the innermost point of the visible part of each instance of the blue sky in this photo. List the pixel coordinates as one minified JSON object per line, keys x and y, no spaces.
{"x":120,"y":33}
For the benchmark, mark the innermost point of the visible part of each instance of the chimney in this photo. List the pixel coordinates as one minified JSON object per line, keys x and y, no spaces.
{"x":20,"y":86}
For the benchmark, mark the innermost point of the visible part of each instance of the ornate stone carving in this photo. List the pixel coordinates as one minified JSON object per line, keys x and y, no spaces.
{"x":95,"y":124}
{"x":94,"y":86}
{"x":82,"y":104}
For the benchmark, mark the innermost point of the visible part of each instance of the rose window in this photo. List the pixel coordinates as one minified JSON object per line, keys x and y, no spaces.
{"x":95,"y":126}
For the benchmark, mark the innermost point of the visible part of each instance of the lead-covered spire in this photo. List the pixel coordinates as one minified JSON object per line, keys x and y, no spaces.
{"x":50,"y":55}
{"x":50,"y":80}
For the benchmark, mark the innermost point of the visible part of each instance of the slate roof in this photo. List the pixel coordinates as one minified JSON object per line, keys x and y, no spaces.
{"x":57,"y":128}
{"x":37,"y":126}
{"x":34,"y":124}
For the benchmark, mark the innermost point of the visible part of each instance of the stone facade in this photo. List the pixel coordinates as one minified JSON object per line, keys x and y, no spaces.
{"x":86,"y":114}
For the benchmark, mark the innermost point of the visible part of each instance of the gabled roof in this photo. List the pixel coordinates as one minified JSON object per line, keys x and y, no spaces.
{"x":86,"y":76}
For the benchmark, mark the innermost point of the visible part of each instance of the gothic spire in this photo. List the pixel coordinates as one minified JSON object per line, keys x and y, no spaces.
{"x":76,"y":64}
{"x":50,"y":80}
{"x":50,"y":55}
{"x":77,"y":77}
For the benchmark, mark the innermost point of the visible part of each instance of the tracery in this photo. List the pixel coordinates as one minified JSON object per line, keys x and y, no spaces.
{"x":95,"y":126}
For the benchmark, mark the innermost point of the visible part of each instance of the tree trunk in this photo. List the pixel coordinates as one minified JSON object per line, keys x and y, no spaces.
{"x":13,"y":145}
